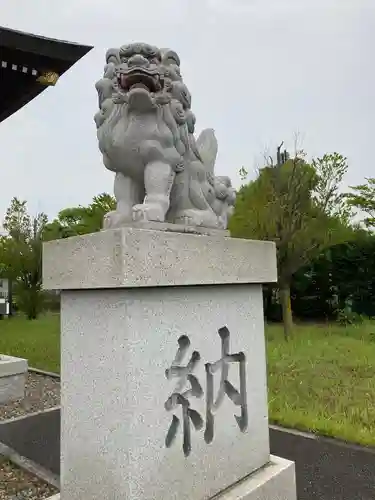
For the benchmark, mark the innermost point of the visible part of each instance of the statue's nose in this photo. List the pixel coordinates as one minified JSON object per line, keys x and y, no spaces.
{"x":138,"y":60}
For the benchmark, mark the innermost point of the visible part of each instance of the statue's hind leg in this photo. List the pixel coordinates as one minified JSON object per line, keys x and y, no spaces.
{"x":127,"y":193}
{"x":158,"y":178}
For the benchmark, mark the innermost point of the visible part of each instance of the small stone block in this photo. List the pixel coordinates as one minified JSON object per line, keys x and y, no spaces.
{"x":12,"y":388}
{"x":10,"y":365}
{"x":12,"y":378}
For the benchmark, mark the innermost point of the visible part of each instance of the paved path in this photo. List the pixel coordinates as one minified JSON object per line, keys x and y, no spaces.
{"x":326,"y":469}
{"x":36,"y":437}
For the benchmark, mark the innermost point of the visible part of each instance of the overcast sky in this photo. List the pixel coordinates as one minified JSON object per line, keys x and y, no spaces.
{"x":258,"y":71}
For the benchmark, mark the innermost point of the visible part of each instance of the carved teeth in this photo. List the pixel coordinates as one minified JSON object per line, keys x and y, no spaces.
{"x":138,"y":78}
{"x":139,"y":86}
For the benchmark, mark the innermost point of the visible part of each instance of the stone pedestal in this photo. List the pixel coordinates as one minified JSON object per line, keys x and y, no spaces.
{"x":13,"y":373}
{"x":163,"y":367}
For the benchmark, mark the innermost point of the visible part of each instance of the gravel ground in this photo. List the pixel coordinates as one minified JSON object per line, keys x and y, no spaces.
{"x":17,"y":484}
{"x":41,"y":392}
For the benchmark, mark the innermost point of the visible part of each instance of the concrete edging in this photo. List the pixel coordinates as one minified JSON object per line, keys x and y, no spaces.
{"x":29,"y":466}
{"x":43,"y":372}
{"x":32,"y":414}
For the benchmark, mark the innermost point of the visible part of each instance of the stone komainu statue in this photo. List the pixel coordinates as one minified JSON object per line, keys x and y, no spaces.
{"x":145,"y":129}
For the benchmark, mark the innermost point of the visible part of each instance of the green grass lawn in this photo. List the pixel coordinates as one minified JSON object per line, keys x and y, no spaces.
{"x":38,"y":341}
{"x":322,"y":381}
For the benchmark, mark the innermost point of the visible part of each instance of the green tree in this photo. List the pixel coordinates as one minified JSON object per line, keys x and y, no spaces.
{"x":80,"y":220}
{"x":363,"y":198}
{"x":341,"y":275}
{"x":330,"y":170}
{"x":21,"y":256}
{"x":289,"y":203}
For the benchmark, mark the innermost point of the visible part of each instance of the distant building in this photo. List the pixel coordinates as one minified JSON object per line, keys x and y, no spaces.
{"x":4,"y":297}
{"x":4,"y":287}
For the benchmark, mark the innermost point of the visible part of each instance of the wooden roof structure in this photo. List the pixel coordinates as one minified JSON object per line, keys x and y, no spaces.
{"x":29,"y":63}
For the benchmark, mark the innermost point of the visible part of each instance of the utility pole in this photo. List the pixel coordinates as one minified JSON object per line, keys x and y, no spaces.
{"x":282,"y":156}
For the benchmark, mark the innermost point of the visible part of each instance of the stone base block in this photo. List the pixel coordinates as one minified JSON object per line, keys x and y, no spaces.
{"x":12,"y":378}
{"x":142,"y":258}
{"x":275,"y":481}
{"x":127,"y":340}
{"x":171,"y":400}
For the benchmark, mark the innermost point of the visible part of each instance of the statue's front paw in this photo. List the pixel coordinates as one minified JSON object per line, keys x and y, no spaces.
{"x":148,"y":212}
{"x":114,"y":219}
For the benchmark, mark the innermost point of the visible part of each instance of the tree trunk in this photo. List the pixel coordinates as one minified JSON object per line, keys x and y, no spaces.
{"x":32,"y":309}
{"x":286,"y":308}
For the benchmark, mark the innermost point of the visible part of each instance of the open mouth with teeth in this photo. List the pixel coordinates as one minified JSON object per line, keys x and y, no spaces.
{"x":139,"y":78}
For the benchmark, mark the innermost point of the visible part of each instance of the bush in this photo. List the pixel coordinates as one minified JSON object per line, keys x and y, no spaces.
{"x":347,"y":317}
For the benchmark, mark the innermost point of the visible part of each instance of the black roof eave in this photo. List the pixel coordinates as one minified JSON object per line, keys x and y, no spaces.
{"x":65,"y":54}
{"x":17,"y":104}
{"x":39,"y":45}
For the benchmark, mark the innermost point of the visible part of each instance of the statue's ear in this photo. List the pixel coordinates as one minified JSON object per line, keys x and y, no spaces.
{"x":169,"y":56}
{"x":208,"y":147}
{"x":113,"y":56}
